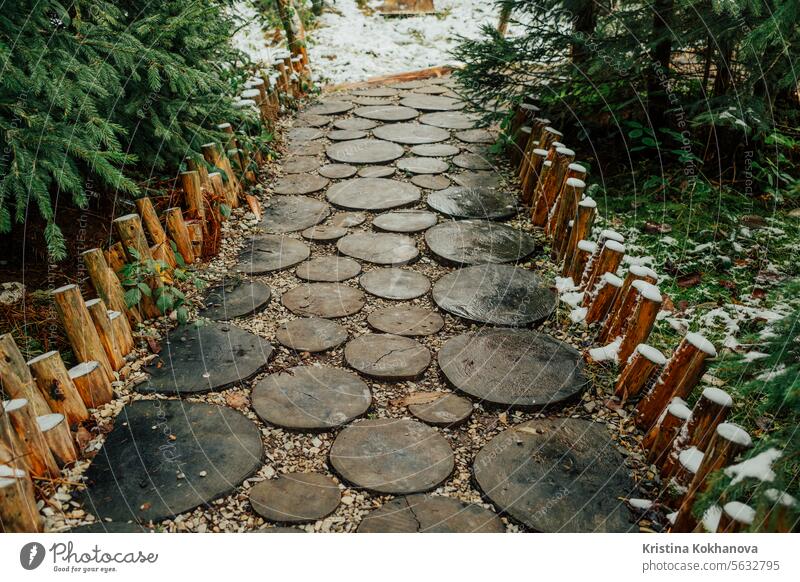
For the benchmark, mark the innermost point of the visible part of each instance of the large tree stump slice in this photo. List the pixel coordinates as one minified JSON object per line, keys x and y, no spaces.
{"x":396,"y":284}
{"x":482,"y":203}
{"x":300,"y":165}
{"x":300,"y":184}
{"x":404,"y":221}
{"x":387,"y":113}
{"x":293,"y":213}
{"x":323,"y":300}
{"x":379,"y":248}
{"x":387,"y":356}
{"x":329,"y":108}
{"x":431,"y":182}
{"x":312,"y":334}
{"x":475,"y":242}
{"x":435,"y":150}
{"x":448,"y":410}
{"x":266,"y":253}
{"x":372,"y":194}
{"x":422,"y":166}
{"x":406,"y":320}
{"x":337,"y":171}
{"x":432,"y":103}
{"x":410,"y":133}
{"x":449,"y":120}
{"x":296,"y":497}
{"x":430,"y":514}
{"x":331,"y":269}
{"x":235,"y":298}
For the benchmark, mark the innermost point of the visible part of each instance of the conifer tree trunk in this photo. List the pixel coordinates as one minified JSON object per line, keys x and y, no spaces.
{"x":584,"y":25}
{"x":657,"y":91}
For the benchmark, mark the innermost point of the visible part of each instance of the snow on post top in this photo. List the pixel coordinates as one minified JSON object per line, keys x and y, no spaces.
{"x":701,"y":343}
{"x":718,"y":396}
{"x":740,"y":512}
{"x":734,"y":433}
{"x":647,"y":290}
{"x":652,"y":354}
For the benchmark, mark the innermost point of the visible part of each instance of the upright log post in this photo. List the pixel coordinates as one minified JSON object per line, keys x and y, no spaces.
{"x":658,"y":440}
{"x":533,"y":174}
{"x":736,"y":517}
{"x":13,"y":451}
{"x":195,"y":230}
{"x":641,"y":323}
{"x":607,"y":261}
{"x":122,"y":332}
{"x":57,"y":387}
{"x":601,"y":297}
{"x":565,"y":207}
{"x":92,"y":385}
{"x":580,"y":230}
{"x":56,"y":434}
{"x":583,"y":253}
{"x":551,"y":185}
{"x":34,"y":447}
{"x":537,"y":125}
{"x":116,"y":257}
{"x":107,"y":285}
{"x":639,"y":371}
{"x":214,"y":157}
{"x":619,"y":309}
{"x":18,"y":512}
{"x":130,"y":232}
{"x":194,"y":199}
{"x":177,"y":230}
{"x":198,"y":166}
{"x":779,"y":517}
{"x":16,"y":380}
{"x":102,"y":323}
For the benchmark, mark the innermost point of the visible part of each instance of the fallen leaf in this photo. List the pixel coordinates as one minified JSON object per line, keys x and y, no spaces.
{"x":154,"y":345}
{"x":236,"y":400}
{"x":503,"y":417}
{"x":657,"y":228}
{"x":418,"y":398}
{"x":82,"y":436}
{"x":689,"y":280}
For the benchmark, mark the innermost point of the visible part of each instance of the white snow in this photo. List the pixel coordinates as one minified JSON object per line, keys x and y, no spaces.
{"x":576,"y":183}
{"x":610,"y":234}
{"x":575,"y":167}
{"x":615,"y":246}
{"x":671,"y":517}
{"x":711,"y":518}
{"x":652,"y":354}
{"x":643,"y":271}
{"x":48,"y":421}
{"x":780,"y":497}
{"x":734,"y":433}
{"x":612,"y":280}
{"x":587,"y":246}
{"x":607,"y":353}
{"x":754,"y":355}
{"x":740,"y":512}
{"x":718,"y":396}
{"x":588,"y":202}
{"x":691,"y":458}
{"x":565,"y":151}
{"x":573,"y":299}
{"x":701,"y":343}
{"x":758,"y":467}
{"x":679,"y":409}
{"x":578,"y":314}
{"x":641,"y":504}
{"x":251,"y":38}
{"x":647,"y":290}
{"x":564,"y":284}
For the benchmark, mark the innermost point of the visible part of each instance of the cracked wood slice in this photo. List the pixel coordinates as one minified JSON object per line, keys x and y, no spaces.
{"x":311,"y":334}
{"x":387,"y":357}
{"x":295,"y":497}
{"x":397,"y":284}
{"x":411,"y":133}
{"x":404,"y":221}
{"x":479,"y":179}
{"x":330,"y":269}
{"x":323,"y":300}
{"x":313,"y":148}
{"x":448,"y":410}
{"x":472,"y":161}
{"x":364,"y":151}
{"x":235,"y":298}
{"x":300,"y":134}
{"x":312,"y":120}
{"x":376,"y":172}
{"x":372,"y":194}
{"x":406,"y":320}
{"x":379,"y":248}
{"x":475,"y":136}
{"x":475,"y":242}
{"x":293,"y":213}
{"x":266,"y":253}
{"x":300,"y":184}
{"x":346,"y":134}
{"x":377,"y":92}
{"x":482,"y":203}
{"x":348,"y":219}
{"x":430,"y":514}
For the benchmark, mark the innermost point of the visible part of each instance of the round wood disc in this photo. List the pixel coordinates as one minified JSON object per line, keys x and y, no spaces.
{"x":386,"y":112}
{"x":435,"y":150}
{"x":266,"y":253}
{"x":300,"y":184}
{"x":135,"y":477}
{"x":472,"y":162}
{"x":235,"y":298}
{"x":430,"y":90}
{"x":379,"y":248}
{"x":346,"y":134}
{"x":449,"y":120}
{"x":210,"y":357}
{"x":311,"y":334}
{"x":377,"y":92}
{"x":409,"y":84}
{"x":372,"y":194}
{"x":355,"y":123}
{"x":312,"y":120}
{"x":298,"y":134}
{"x":483,"y":203}
{"x":295,"y":497}
{"x":364,"y":151}
{"x":323,"y":300}
{"x":448,"y":410}
{"x":432,"y":103}
{"x":557,"y":475}
{"x":337,"y":171}
{"x":475,"y":136}
{"x":311,"y":398}
{"x":513,"y":367}
{"x":293,"y":213}
{"x":348,"y":219}
{"x":404,"y":221}
{"x":387,"y":357}
{"x":305,"y":148}
{"x":300,"y":164}
{"x":397,"y":284}
{"x":478,"y":179}
{"x":373,"y":101}
{"x":411,"y":133}
{"x":495,"y":294}
{"x":376,"y":171}
{"x":429,"y":514}
{"x":324,"y":233}
{"x":406,"y":320}
{"x":329,"y":108}
{"x":430,"y":182}
{"x":331,"y":269}
{"x":475,"y":242}
{"x":422,"y":165}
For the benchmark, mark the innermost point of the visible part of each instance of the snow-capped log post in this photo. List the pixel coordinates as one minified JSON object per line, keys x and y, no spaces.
{"x":565,"y":207}
{"x":18,"y":512}
{"x":217,"y":187}
{"x":102,"y":324}
{"x":131,"y":234}
{"x":639,"y":371}
{"x":271,"y":101}
{"x":621,"y":307}
{"x":601,"y":297}
{"x":213,"y":156}
{"x":19,"y":415}
{"x":107,"y":285}
{"x":122,"y":331}
{"x":779,"y":517}
{"x":283,"y":79}
{"x":92,"y":385}
{"x":179,"y":233}
{"x":194,"y":197}
{"x":643,"y":318}
{"x":583,"y":252}
{"x":736,"y":517}
{"x":194,"y":166}
{"x":537,"y":126}
{"x":605,"y":236}
{"x":80,"y":329}
{"x":505,"y":15}
{"x":686,"y":468}
{"x":679,"y":377}
{"x":532,"y":173}
{"x":56,"y":434}
{"x":551,"y":185}
{"x":517,"y":142}
{"x":728,"y":442}
{"x":607,"y":260}
{"x":658,"y":440}
{"x":581,"y":225}
{"x":57,"y":387}
{"x":16,"y":380}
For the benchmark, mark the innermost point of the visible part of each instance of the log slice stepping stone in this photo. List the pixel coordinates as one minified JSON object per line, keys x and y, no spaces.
{"x":266,"y":253}
{"x":374,"y":101}
{"x":397,"y":456}
{"x":293,"y":213}
{"x":311,"y":334}
{"x":430,"y":514}
{"x":364,"y":151}
{"x":475,"y":242}
{"x":557,"y":475}
{"x":448,"y":410}
{"x":372,"y":194}
{"x":348,"y":219}
{"x":196,"y":359}
{"x":405,"y":221}
{"x":299,"y":134}
{"x":479,"y":179}
{"x":512,"y":367}
{"x":323,"y":300}
{"x":495,"y":294}
{"x":410,"y":133}
{"x":379,"y":248}
{"x":422,"y":165}
{"x":300,"y":164}
{"x":324,"y":233}
{"x":110,"y":527}
{"x":346,"y":134}
{"x":331,"y":269}
{"x":386,"y":112}
{"x":432,"y":103}
{"x":397,"y":284}
{"x":409,"y":85}
{"x":470,"y":161}
{"x":386,"y":356}
{"x":430,"y":90}
{"x":311,"y":398}
{"x":296,"y":497}
{"x":300,"y":184}
{"x":313,"y":148}
{"x":430,"y":182}
{"x":355,"y":123}
{"x":312,"y":120}
{"x":337,"y":171}
{"x":483,"y":203}
{"x":406,"y":320}
{"x":376,"y":172}
{"x":449,"y":120}
{"x":475,"y":136}
{"x":235,"y":298}
{"x":329,"y":108}
{"x":377,"y":92}
{"x":435,"y":150}
{"x":166,"y":457}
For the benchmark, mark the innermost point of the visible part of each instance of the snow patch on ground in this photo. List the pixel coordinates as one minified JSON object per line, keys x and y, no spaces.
{"x":758,"y":467}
